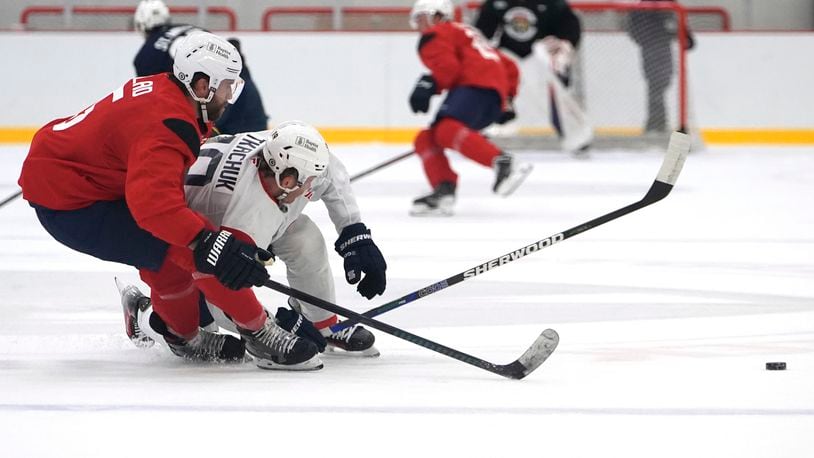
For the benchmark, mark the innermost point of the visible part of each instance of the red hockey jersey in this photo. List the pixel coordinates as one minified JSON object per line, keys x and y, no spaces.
{"x":134,"y":144}
{"x":458,"y":55}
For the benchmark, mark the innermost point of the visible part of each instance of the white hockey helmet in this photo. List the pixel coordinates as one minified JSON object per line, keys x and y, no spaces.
{"x":431,"y":8}
{"x":214,"y":57}
{"x":150,"y":14}
{"x":297,"y":149}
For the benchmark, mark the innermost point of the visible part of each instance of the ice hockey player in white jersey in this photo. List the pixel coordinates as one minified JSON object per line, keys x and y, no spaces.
{"x":257,"y":185}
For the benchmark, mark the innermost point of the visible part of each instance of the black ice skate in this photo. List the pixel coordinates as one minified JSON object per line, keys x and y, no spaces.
{"x":205,"y":347}
{"x":209,"y":347}
{"x":275,"y":348}
{"x":133,"y":304}
{"x":354,"y":340}
{"x":509,"y":174}
{"x":438,"y":203}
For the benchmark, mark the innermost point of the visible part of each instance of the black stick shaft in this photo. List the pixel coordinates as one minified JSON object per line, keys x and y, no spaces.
{"x":11,"y":197}
{"x":388,"y":329}
{"x":509,"y":257}
{"x":381,"y":166}
{"x":677,"y":152}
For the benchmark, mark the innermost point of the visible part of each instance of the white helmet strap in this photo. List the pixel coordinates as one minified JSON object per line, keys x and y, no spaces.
{"x":204,"y":114}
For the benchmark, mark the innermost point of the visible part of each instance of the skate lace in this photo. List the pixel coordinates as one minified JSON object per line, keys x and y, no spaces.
{"x":344,"y":334}
{"x":276,"y":338}
{"x":207,"y":344}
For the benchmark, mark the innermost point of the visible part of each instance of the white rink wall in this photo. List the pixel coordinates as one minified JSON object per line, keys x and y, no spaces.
{"x":362,"y":80}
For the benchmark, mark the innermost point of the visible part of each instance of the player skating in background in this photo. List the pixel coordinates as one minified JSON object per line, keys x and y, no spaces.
{"x":152,"y":18}
{"x":478,"y":81}
{"x":257,"y":184}
{"x":543,"y":36}
{"x":109,"y":182}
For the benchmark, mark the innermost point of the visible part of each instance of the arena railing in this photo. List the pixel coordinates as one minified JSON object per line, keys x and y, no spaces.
{"x":115,"y":11}
{"x":383,"y":19}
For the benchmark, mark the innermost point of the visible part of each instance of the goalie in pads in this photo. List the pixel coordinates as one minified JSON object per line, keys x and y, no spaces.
{"x":542,"y":36}
{"x":257,"y":185}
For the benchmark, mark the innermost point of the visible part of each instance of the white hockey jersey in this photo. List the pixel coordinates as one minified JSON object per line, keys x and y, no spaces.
{"x":224,"y":186}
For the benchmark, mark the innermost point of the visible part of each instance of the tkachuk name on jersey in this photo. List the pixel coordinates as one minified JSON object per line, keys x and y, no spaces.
{"x":517,"y":254}
{"x":227,"y":178}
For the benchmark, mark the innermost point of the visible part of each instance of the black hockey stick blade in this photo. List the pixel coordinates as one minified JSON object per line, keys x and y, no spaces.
{"x":671,"y":166}
{"x":11,"y":197}
{"x":539,"y":351}
{"x":384,"y":164}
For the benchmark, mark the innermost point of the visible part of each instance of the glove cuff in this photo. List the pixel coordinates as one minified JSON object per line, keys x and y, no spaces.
{"x":350,"y":236}
{"x":432,"y":85}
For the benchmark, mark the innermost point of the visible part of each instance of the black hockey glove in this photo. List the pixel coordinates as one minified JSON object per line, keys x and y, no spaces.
{"x":508,"y":113}
{"x":362,"y":256}
{"x":294,"y":322}
{"x":422,"y":93}
{"x":234,"y":263}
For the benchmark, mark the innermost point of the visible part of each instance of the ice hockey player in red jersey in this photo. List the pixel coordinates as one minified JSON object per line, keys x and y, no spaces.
{"x":258,"y":184}
{"x":477,"y":80}
{"x":109,"y":182}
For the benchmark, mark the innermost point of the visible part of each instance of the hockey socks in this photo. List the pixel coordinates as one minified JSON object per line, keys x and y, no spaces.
{"x":453,"y":134}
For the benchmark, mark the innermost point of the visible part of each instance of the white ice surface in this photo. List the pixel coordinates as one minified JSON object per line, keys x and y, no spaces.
{"x":666,"y":316}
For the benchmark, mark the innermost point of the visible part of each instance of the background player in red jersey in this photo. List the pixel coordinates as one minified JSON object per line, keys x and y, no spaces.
{"x":109,"y":182}
{"x":478,"y":80}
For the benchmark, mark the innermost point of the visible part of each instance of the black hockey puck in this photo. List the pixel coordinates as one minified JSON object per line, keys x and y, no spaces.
{"x":776,"y":366}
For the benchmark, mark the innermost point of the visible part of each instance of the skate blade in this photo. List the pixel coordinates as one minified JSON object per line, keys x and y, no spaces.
{"x":582,"y":153}
{"x":514,"y":181}
{"x":423,"y":211}
{"x":313,"y":364}
{"x":213,"y":362}
{"x":120,"y":285}
{"x":371,"y":352}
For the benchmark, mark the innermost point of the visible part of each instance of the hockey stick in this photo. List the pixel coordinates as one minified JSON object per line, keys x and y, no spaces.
{"x":382,"y":165}
{"x":11,"y":197}
{"x":677,"y":152}
{"x":540,"y":350}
